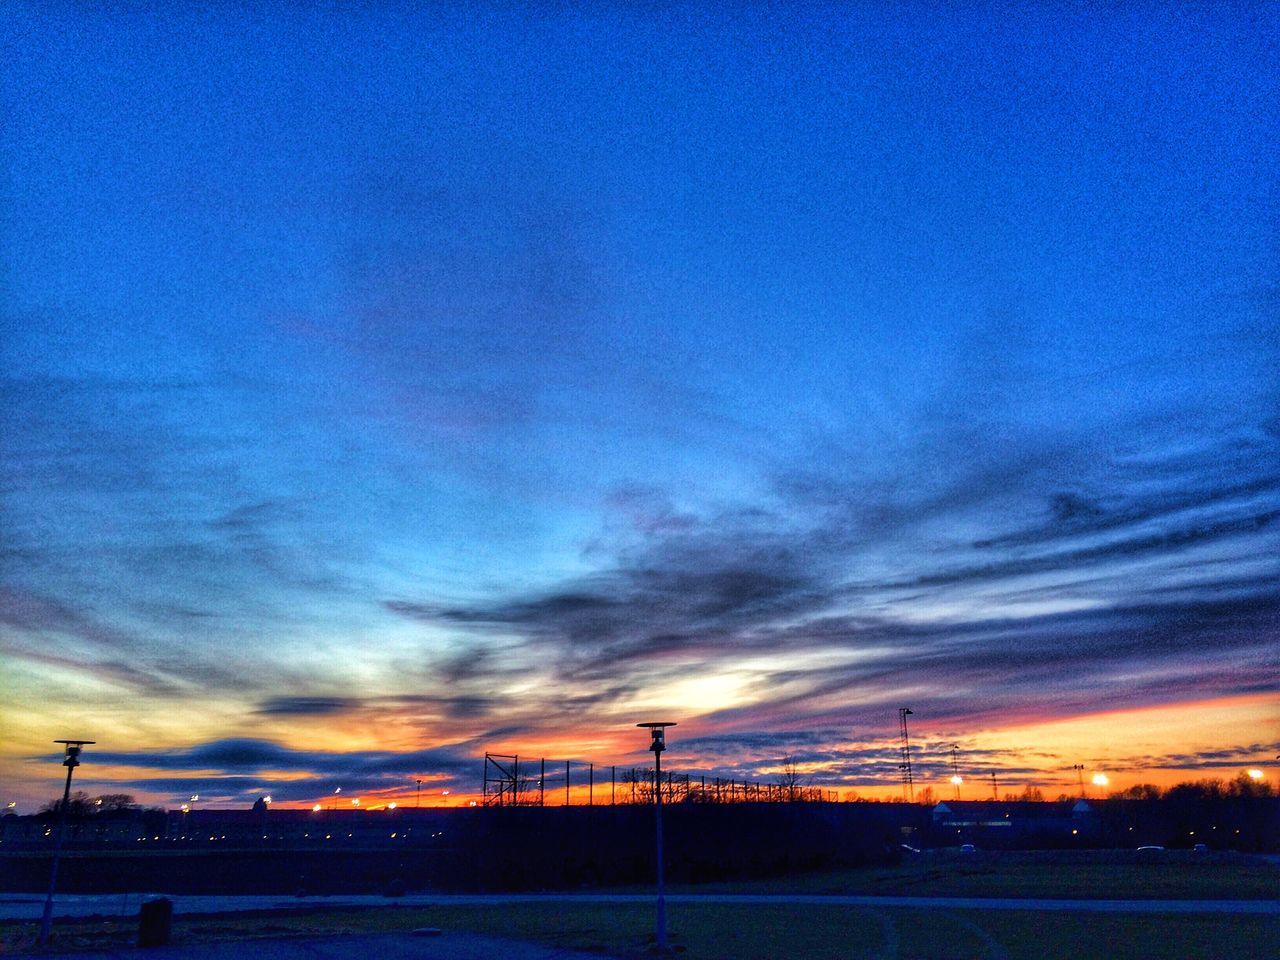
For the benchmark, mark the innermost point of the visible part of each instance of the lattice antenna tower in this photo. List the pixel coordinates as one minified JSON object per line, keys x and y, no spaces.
{"x":908,"y":786}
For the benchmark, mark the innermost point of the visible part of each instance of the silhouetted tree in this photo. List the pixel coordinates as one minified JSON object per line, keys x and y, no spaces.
{"x":1245,"y":786}
{"x":1197,"y":790}
{"x":1140,"y":791}
{"x":78,"y":805}
{"x":790,"y":780}
{"x":1031,"y":794}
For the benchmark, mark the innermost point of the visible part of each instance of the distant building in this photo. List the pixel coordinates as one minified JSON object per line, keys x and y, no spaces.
{"x":1014,"y":823}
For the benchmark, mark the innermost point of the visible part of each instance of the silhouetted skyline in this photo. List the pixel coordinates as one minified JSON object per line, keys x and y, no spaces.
{"x":384,"y":387}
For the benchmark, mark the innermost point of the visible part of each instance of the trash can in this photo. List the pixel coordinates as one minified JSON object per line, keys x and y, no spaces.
{"x":154,"y":922}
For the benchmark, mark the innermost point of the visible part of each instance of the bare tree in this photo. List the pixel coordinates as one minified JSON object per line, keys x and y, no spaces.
{"x":790,"y":782}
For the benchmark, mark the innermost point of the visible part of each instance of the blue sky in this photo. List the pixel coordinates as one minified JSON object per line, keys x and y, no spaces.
{"x":463,"y":374}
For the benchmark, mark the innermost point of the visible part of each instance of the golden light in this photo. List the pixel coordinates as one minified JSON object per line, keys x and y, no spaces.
{"x":391,"y":806}
{"x":266,"y":799}
{"x":315,"y":808}
{"x":957,"y":780}
{"x":1255,"y":774}
{"x":1101,"y":780}
{"x":355,"y":801}
{"x":186,"y":807}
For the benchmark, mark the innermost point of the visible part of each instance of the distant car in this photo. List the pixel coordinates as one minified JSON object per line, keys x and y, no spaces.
{"x":968,"y":848}
{"x":1151,"y":848}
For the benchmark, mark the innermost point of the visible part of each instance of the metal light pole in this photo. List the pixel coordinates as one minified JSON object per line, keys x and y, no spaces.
{"x":1079,"y":769}
{"x":70,"y":760}
{"x":657,"y":744}
{"x":418,"y":803}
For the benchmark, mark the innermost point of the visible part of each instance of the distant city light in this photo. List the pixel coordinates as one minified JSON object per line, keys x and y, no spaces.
{"x":355,"y":801}
{"x":186,"y":807}
{"x":1254,"y":774}
{"x":315,"y":808}
{"x":391,"y":806}
{"x":1101,"y":780}
{"x":266,"y":799}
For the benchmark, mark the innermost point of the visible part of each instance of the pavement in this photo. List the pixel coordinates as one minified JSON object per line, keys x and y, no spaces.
{"x":28,"y":906}
{"x":389,"y":946}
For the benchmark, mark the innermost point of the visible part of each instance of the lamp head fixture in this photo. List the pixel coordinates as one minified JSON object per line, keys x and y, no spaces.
{"x":656,"y":729}
{"x":71,"y":757}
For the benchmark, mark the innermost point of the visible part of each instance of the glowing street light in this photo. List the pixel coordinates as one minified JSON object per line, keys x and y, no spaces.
{"x":1100,"y":780}
{"x":315,"y":808}
{"x":70,"y":760}
{"x":658,"y":743}
{"x":1255,"y":773}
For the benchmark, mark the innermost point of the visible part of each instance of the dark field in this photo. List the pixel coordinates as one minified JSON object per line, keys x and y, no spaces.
{"x":782,"y":932}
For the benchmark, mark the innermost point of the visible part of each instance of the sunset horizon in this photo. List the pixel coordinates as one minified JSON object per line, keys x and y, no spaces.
{"x":388,"y":387}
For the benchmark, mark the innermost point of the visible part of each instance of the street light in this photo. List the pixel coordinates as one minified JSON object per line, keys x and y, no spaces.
{"x":658,"y":743}
{"x":1255,"y":774}
{"x":1100,"y":780}
{"x":70,"y":760}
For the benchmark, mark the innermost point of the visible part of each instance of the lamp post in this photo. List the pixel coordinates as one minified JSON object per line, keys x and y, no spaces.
{"x":70,"y":760}
{"x":657,"y":744}
{"x":418,"y":802}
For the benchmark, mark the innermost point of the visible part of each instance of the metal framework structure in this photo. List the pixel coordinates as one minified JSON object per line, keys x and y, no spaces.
{"x":508,"y":781}
{"x":501,"y":780}
{"x":908,"y":786}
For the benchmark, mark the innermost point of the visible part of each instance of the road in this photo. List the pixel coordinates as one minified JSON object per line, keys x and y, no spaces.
{"x":28,"y":906}
{"x":446,"y":946}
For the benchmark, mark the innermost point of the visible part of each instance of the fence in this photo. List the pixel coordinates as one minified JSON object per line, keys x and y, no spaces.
{"x":510,"y":781}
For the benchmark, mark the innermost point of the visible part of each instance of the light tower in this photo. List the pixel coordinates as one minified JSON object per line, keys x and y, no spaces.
{"x":658,"y":743}
{"x":908,"y":787}
{"x":70,"y":760}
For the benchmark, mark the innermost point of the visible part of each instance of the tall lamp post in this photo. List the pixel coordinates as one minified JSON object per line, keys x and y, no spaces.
{"x":657,"y":744}
{"x":70,"y":760}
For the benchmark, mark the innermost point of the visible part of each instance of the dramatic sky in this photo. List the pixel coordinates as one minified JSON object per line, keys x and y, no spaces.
{"x":385,"y":386}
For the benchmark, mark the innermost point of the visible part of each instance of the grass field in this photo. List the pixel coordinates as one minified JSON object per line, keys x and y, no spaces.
{"x":803,"y":932}
{"x":815,"y":932}
{"x":1174,"y":875}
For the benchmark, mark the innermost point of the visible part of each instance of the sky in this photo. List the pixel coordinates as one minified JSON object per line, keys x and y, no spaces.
{"x":383,"y":387}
